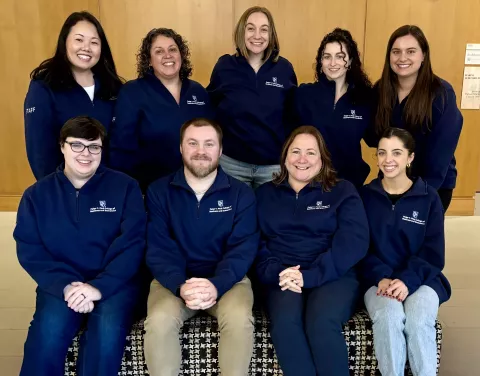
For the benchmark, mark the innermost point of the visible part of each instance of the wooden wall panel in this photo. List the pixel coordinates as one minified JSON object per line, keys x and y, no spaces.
{"x":301,"y":26}
{"x":206,"y":24}
{"x":28,"y":35}
{"x":448,"y":26}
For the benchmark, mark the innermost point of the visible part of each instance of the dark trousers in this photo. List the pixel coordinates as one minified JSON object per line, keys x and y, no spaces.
{"x":306,"y":328}
{"x":102,"y":344}
{"x":445,"y":197}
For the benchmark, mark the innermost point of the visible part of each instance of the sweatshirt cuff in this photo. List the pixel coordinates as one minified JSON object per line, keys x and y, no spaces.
{"x":270,"y":274}
{"x":106,"y":289}
{"x":172,"y":282}
{"x":310,"y":278}
{"x":222,"y":285}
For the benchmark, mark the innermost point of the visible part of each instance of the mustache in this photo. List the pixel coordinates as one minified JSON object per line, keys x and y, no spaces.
{"x":201,"y":157}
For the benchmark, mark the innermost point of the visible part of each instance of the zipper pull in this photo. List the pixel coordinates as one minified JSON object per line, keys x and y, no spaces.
{"x":393,"y":207}
{"x":296,"y":196}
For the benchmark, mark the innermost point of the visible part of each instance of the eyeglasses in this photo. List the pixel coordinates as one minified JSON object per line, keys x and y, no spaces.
{"x":78,"y":147}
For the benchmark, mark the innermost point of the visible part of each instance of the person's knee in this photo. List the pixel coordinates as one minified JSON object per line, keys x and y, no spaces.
{"x":381,"y":308}
{"x":237,"y":316}
{"x":162,"y":321}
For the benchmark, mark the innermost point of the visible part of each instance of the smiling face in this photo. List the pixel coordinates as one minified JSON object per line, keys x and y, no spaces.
{"x":165,"y":58}
{"x":81,"y":165}
{"x":303,"y":160}
{"x":335,"y":61}
{"x":406,"y":57}
{"x":257,"y":33}
{"x":200,"y":150}
{"x":393,"y":157}
{"x":83,"y":46}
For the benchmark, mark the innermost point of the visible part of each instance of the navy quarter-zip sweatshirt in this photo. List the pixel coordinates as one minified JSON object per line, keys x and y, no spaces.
{"x":342,"y":125}
{"x":46,"y":111}
{"x":94,"y":235}
{"x":145,"y":138}
{"x":215,"y":238}
{"x":253,"y":108}
{"x":434,"y":151}
{"x":407,"y":239}
{"x":326,"y":233}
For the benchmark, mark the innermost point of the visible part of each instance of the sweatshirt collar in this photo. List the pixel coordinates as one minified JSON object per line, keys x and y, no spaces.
{"x":221,"y":181}
{"x":60,"y":173}
{"x":419,"y":187}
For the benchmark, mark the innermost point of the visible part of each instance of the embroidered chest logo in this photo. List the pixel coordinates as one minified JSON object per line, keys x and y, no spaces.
{"x":195,"y":101}
{"x":353,"y":115}
{"x":221,"y":208}
{"x":30,"y":110}
{"x":274,"y":82}
{"x":413,"y":218}
{"x":319,"y":206}
{"x":103,"y":208}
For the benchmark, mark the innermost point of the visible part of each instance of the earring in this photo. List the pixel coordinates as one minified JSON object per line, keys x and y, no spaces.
{"x":408,"y":165}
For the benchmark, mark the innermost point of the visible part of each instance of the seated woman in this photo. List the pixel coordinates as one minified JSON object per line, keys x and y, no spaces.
{"x":314,"y":231}
{"x":81,"y":235}
{"x":405,"y":260}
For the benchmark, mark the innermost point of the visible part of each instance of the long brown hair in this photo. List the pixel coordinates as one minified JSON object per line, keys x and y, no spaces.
{"x":418,"y":107}
{"x":273,"y":49}
{"x":327,"y":176}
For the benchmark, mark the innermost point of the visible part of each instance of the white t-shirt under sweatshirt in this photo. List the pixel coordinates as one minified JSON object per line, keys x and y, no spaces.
{"x":90,"y":91}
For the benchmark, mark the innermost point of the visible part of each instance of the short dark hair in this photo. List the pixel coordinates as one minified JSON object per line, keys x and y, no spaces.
{"x":403,"y":135}
{"x":202,"y":122}
{"x":83,"y":127}
{"x":143,"y":55}
{"x":327,"y":175}
{"x":56,"y":71}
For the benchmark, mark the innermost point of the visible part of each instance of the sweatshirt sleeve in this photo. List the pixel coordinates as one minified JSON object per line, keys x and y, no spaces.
{"x":373,"y":269}
{"x":41,"y":132}
{"x":127,"y":251}
{"x":241,"y":246}
{"x":428,"y":263}
{"x":289,"y":107}
{"x":442,"y":140}
{"x":349,"y":244}
{"x":268,"y":266}
{"x":124,"y":139}
{"x":213,"y":87}
{"x":164,"y":258}
{"x":50,"y":274}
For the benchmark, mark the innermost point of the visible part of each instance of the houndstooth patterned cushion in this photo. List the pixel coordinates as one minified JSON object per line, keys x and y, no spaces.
{"x":199,"y":339}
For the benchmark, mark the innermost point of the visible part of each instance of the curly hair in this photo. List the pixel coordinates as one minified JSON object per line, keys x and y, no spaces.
{"x":355,"y":73}
{"x":143,"y":55}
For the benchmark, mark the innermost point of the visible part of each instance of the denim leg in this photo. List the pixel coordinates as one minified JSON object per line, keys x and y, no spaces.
{"x":421,"y":310}
{"x":388,"y":319}
{"x":264,"y":174}
{"x":286,"y":310}
{"x":239,"y":170}
{"x":50,"y":334}
{"x":327,"y":308}
{"x":103,"y":343}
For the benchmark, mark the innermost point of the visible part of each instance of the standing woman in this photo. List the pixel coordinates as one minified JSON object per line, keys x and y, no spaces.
{"x":144,"y":140}
{"x":80,"y":79}
{"x":338,"y":104}
{"x":250,"y":91}
{"x":314,"y":231}
{"x":404,"y":265}
{"x":412,"y":97}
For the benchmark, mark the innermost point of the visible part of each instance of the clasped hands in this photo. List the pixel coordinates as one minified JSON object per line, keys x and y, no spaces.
{"x":80,"y":296}
{"x":199,"y":293}
{"x":393,"y":289}
{"x":291,"y":279}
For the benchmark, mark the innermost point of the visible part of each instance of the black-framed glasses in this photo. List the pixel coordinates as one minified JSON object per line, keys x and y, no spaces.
{"x":78,"y":147}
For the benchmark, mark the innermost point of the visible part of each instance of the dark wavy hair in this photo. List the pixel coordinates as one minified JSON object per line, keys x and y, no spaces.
{"x":417,"y":112}
{"x":143,"y":55}
{"x":327,"y":175}
{"x":56,"y":71}
{"x":356,"y":76}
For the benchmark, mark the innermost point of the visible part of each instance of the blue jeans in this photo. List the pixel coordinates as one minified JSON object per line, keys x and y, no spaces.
{"x":401,"y":328}
{"x":253,"y":175}
{"x":306,"y":328}
{"x":55,"y":325}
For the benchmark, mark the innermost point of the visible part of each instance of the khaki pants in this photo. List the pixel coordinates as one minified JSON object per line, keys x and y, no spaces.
{"x":167,"y":313}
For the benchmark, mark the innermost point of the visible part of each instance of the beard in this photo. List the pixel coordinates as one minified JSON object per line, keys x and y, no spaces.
{"x":201,"y":171}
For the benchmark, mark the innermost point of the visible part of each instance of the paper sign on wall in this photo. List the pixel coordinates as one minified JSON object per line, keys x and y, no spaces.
{"x":472,"y":54}
{"x":471,"y":89}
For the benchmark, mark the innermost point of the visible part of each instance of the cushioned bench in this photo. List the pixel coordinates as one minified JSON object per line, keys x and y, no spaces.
{"x":199,"y":339}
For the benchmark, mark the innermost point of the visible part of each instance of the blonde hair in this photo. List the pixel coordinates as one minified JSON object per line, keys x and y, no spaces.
{"x":273,"y":48}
